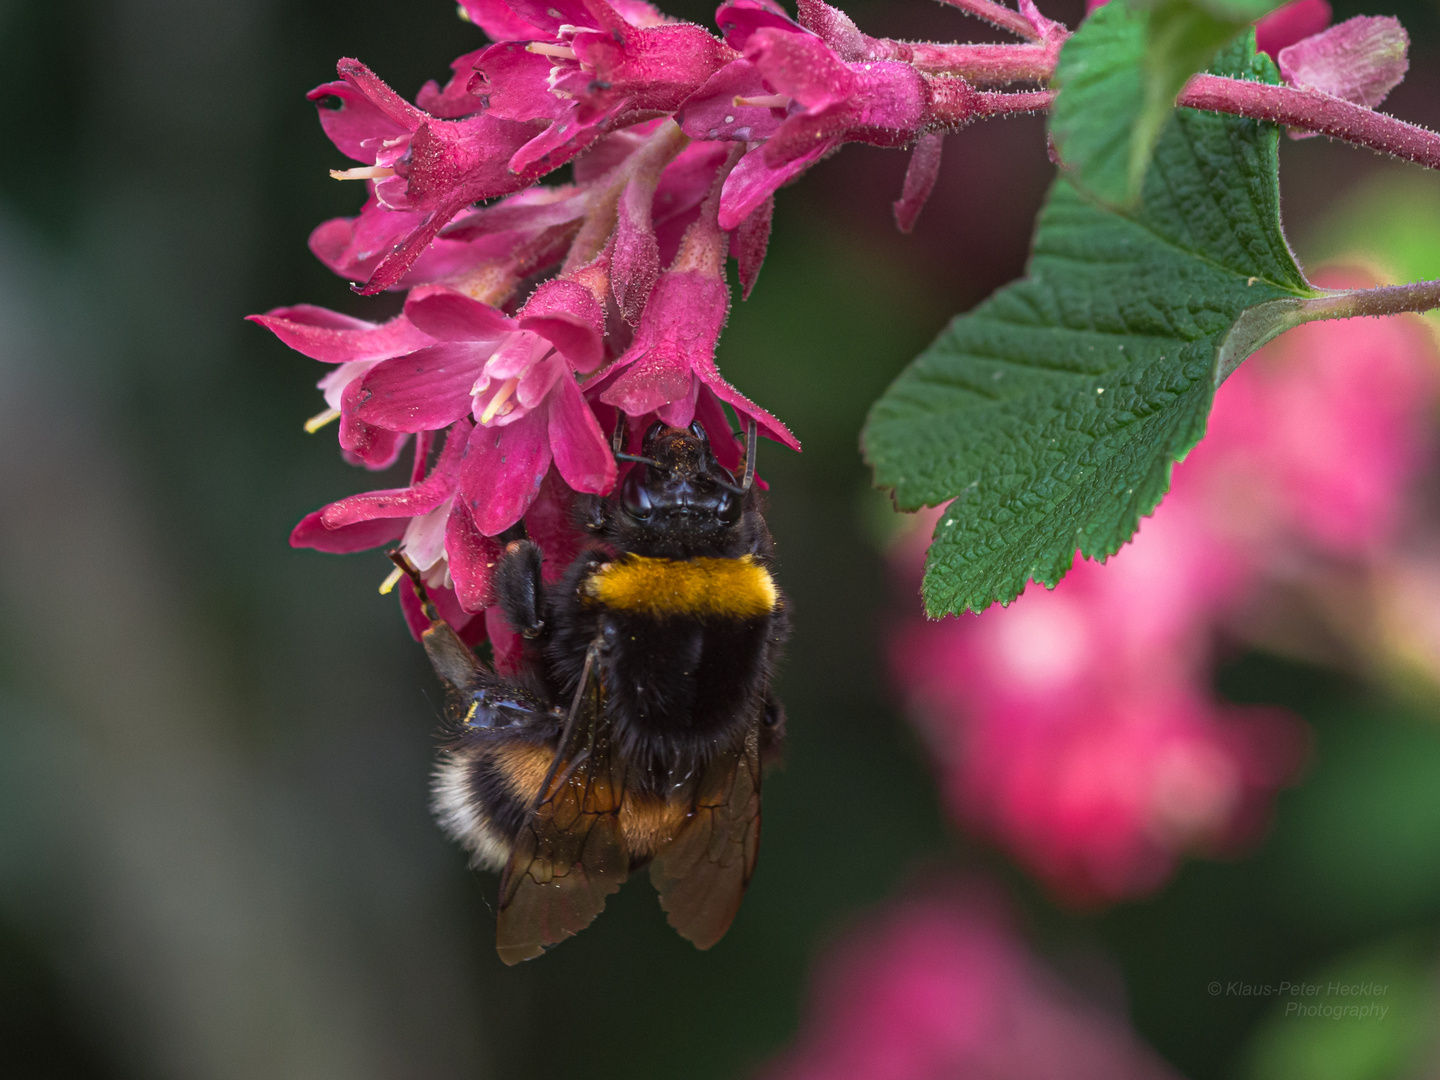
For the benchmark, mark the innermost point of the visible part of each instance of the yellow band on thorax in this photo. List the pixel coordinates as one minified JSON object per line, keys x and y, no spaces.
{"x":729,"y":588}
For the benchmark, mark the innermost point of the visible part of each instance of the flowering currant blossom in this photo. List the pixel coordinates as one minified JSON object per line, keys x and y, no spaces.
{"x":536,"y":316}
{"x":941,"y":985}
{"x":1078,"y":728}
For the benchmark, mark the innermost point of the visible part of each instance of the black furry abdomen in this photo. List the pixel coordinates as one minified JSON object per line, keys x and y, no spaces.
{"x":677,"y":687}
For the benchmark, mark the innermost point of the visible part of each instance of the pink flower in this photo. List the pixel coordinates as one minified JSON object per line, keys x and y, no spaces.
{"x":940,"y":986}
{"x":1289,"y":23}
{"x":422,"y":166}
{"x":354,"y":346}
{"x":601,"y":68}
{"x":669,"y":368}
{"x":1077,"y":727}
{"x":514,"y":377}
{"x":797,"y":97}
{"x":455,"y":558}
{"x":1361,"y":60}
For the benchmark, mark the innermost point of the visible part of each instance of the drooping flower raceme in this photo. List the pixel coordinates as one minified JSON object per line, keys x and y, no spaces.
{"x":537,"y":314}
{"x":941,"y":985}
{"x":1077,"y":727}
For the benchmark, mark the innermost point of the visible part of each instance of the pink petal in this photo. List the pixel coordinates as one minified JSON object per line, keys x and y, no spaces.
{"x":582,"y":452}
{"x":678,"y":331}
{"x":424,"y":391}
{"x":741,"y":18}
{"x":447,"y":315}
{"x":550,"y":15}
{"x":635,"y":262}
{"x":536,"y":384}
{"x":503,"y":471}
{"x":558,"y":143}
{"x":802,"y":66}
{"x":354,"y":247}
{"x":471,"y":628}
{"x":711,"y":112}
{"x":770,"y":427}
{"x":397,"y":110}
{"x":567,"y":315}
{"x":1361,"y":60}
{"x":407,"y":502}
{"x":680,"y":411}
{"x":471,"y":556}
{"x":752,"y":238}
{"x":534,"y":209}
{"x":498,"y":20}
{"x":515,"y":83}
{"x":550,"y":522}
{"x":337,"y":339}
{"x":358,"y":126}
{"x":753,"y":181}
{"x":723,"y":443}
{"x":312,"y":533}
{"x":1289,"y":24}
{"x":365,"y":444}
{"x":920,"y":179}
{"x":508,"y":646}
{"x":835,"y":28}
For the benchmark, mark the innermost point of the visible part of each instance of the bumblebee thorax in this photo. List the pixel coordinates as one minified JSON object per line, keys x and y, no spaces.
{"x":738,"y":588}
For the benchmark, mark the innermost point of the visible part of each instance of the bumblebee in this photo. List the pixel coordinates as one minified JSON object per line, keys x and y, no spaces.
{"x":635,"y":730}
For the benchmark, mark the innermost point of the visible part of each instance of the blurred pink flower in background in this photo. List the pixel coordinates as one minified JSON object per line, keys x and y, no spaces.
{"x":1078,"y":727}
{"x":941,"y":986}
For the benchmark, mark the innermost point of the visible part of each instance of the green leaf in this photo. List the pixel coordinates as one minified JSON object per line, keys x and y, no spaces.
{"x":1053,"y":412}
{"x":1117,"y":79}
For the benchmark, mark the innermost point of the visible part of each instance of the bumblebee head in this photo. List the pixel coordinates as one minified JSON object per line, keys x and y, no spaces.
{"x":677,"y":500}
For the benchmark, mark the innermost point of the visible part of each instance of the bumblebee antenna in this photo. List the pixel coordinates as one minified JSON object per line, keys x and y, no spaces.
{"x":749,"y":474}
{"x":618,"y":440}
{"x":752,"y":445}
{"x":637,"y":458}
{"x":406,"y":567}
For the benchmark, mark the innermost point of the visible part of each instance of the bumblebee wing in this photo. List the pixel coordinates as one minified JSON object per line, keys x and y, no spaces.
{"x":702,"y":873}
{"x":569,"y":854}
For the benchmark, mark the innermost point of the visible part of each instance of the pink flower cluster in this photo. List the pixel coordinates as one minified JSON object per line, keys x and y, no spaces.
{"x":531,"y":321}
{"x":940,"y":986}
{"x":1078,"y":727}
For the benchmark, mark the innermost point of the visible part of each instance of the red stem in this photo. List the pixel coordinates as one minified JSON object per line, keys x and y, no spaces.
{"x":997,"y":15}
{"x":1313,"y":111}
{"x":981,"y":65}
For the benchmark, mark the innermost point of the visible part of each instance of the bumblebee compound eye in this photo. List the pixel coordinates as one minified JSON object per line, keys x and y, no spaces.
{"x":728,"y":508}
{"x":698,"y":430}
{"x":633,"y":495}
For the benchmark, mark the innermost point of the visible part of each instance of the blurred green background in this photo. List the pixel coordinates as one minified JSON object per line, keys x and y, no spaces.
{"x":215,"y":855}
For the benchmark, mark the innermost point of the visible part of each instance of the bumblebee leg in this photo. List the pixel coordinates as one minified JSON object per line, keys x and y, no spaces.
{"x":452,"y":659}
{"x":519,"y":589}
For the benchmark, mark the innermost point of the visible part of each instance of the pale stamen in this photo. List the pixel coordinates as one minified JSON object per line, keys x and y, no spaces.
{"x":363,"y":172}
{"x":391,"y":581}
{"x":501,"y":396}
{"x":560,"y":52}
{"x":320,"y":419}
{"x":765,"y":101}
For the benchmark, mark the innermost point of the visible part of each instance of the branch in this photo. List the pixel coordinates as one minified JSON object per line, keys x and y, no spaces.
{"x":982,"y":65}
{"x":1310,"y":110}
{"x":997,"y":15}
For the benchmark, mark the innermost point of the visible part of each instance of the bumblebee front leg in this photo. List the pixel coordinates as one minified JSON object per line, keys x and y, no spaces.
{"x":520,"y":589}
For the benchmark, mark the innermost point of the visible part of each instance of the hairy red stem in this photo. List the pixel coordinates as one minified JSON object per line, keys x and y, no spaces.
{"x":997,"y":15}
{"x":1313,"y":111}
{"x":982,"y":65}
